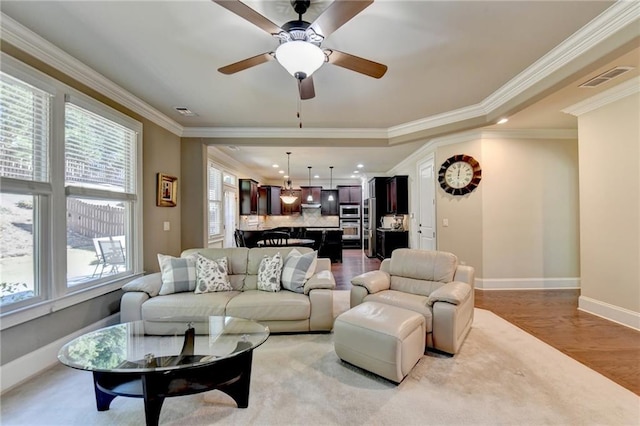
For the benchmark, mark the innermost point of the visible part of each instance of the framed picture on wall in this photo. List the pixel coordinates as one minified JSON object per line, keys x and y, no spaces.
{"x":167,"y":193}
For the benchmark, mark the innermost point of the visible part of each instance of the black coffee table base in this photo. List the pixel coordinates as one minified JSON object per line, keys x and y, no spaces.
{"x":231,"y":376}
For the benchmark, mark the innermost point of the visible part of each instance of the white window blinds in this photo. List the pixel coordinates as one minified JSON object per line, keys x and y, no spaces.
{"x":215,"y":200}
{"x":99,"y":153}
{"x":24,"y":130}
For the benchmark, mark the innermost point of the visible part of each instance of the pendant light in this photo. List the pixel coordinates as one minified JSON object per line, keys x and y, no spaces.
{"x":330,"y":198}
{"x":310,"y":196}
{"x":288,"y":199}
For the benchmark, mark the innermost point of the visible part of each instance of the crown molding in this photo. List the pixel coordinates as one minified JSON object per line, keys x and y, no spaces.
{"x":282,"y":132}
{"x":479,"y":134}
{"x":449,"y":117}
{"x":26,"y":40}
{"x":603,"y":26}
{"x":620,"y":91}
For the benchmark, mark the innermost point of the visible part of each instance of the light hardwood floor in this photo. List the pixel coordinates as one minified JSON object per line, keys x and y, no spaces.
{"x":550,"y":315}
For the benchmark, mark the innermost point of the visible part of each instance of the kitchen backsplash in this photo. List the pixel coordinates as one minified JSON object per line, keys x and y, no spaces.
{"x":309,"y":217}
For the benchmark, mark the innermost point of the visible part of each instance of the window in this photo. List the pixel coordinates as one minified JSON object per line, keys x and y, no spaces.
{"x":100,"y":162}
{"x":24,"y":160}
{"x":57,"y":143}
{"x":215,"y":200}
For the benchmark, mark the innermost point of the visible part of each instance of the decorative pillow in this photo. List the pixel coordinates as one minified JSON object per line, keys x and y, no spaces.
{"x":269,"y":273}
{"x":297,"y":269}
{"x":178,"y":274}
{"x":211,"y":275}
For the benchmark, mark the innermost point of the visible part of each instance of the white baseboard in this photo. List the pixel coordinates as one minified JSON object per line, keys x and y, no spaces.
{"x":527,"y":283}
{"x":21,"y":369}
{"x":610,"y":312}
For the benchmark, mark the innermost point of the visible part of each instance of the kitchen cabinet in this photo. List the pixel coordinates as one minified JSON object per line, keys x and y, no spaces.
{"x":398,"y":195}
{"x":387,"y":241}
{"x":269,"y":200}
{"x":329,"y":208}
{"x":314,"y":191}
{"x":248,"y":197}
{"x":293,"y":208}
{"x":350,"y":194}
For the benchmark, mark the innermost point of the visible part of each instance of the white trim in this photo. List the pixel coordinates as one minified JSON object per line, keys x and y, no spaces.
{"x":21,"y":369}
{"x":24,"y":39}
{"x":287,"y":133}
{"x":603,"y":26}
{"x":610,"y":312}
{"x":613,"y":94}
{"x":527,"y":283}
{"x":449,"y":117}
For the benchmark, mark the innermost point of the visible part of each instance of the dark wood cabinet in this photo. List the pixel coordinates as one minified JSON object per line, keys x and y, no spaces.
{"x":269,"y":200}
{"x":398,"y":195}
{"x":329,"y":207}
{"x":294,"y":208}
{"x":350,"y":194}
{"x":248,"y":197}
{"x":388,"y":241}
{"x":314,"y":191}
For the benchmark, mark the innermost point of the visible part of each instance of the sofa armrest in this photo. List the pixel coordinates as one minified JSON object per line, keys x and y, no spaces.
{"x":322,"y":264}
{"x":149,"y":284}
{"x":455,"y":293}
{"x":465,"y":274}
{"x":373,"y":281}
{"x":322,"y":279}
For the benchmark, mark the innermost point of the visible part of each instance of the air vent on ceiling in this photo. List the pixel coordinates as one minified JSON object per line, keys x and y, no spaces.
{"x":605,"y":76}
{"x":185,"y":111}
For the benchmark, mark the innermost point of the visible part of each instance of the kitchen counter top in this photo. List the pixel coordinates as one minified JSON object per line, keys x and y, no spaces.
{"x":391,"y":230}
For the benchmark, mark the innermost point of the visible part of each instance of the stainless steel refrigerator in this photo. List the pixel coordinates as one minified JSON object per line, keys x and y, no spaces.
{"x":369,"y":220}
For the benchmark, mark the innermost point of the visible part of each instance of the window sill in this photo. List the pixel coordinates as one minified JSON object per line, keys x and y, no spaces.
{"x":28,"y":313}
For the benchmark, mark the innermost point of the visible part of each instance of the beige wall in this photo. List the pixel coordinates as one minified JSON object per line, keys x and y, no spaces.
{"x":464,"y":234}
{"x":609,"y":152}
{"x":193,"y":159}
{"x":530,"y":208}
{"x":161,"y":155}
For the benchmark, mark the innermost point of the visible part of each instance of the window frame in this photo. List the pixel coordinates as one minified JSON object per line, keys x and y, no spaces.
{"x":50,"y":254}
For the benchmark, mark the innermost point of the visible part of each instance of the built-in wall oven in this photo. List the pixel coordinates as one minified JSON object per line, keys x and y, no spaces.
{"x":350,"y":229}
{"x":350,"y":211}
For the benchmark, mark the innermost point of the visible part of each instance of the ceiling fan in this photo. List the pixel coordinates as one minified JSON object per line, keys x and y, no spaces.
{"x":299,"y":50}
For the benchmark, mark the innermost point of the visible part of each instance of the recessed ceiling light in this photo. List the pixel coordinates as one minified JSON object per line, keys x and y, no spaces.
{"x":503,"y":120}
{"x":353,"y":176}
{"x":360,"y":166}
{"x":281,"y":172}
{"x":316,"y":176}
{"x":356,"y":171}
{"x":286,"y":176}
{"x":275,"y":166}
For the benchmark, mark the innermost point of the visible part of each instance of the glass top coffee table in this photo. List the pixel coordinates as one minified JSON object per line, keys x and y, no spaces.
{"x":156,"y":360}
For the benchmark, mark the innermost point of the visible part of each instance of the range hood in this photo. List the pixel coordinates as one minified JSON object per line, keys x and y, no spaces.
{"x":310,"y":205}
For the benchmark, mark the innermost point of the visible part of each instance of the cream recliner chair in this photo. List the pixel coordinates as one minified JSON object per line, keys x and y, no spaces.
{"x":428,"y":282}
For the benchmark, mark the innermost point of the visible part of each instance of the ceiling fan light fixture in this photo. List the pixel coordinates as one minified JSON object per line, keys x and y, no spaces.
{"x":300,"y":58}
{"x":330,"y":184}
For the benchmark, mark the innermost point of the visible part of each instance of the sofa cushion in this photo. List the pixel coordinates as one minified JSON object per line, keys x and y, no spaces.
{"x":186,"y":306}
{"x":266,"y":306}
{"x":297,"y":269}
{"x":211,"y":275}
{"x":178,"y":274}
{"x":270,"y":272}
{"x":423,"y":264}
{"x":255,"y":257}
{"x":413,"y":302}
{"x":236,"y":261}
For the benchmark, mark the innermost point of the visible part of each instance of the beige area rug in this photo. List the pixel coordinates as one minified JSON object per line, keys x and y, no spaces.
{"x":502,"y":376}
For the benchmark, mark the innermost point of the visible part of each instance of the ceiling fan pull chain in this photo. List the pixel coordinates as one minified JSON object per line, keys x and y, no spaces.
{"x":299,"y":114}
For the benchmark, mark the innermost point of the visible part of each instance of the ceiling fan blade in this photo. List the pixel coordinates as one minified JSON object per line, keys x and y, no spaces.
{"x":355,"y":63}
{"x":305,"y":86}
{"x":244,"y":11}
{"x":337,"y":14}
{"x":246,"y":63}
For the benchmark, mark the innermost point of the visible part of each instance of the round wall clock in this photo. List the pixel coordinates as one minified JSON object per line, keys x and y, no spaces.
{"x":460,"y":174}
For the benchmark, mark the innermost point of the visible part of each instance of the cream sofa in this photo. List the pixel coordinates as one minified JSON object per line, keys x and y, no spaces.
{"x":282,"y":311}
{"x":431,"y":283}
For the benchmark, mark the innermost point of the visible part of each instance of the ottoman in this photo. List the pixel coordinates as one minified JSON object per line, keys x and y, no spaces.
{"x":383,"y":339}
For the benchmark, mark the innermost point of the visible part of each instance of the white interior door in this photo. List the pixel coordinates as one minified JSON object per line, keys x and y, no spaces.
{"x":427,"y":203}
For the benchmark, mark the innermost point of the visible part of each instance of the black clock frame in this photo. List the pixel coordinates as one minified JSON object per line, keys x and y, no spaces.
{"x":477,"y":174}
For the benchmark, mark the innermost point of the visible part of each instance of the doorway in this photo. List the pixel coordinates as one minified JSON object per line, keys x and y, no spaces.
{"x":427,"y":203}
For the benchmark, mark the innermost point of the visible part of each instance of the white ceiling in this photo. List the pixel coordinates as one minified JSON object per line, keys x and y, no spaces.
{"x":443,"y":56}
